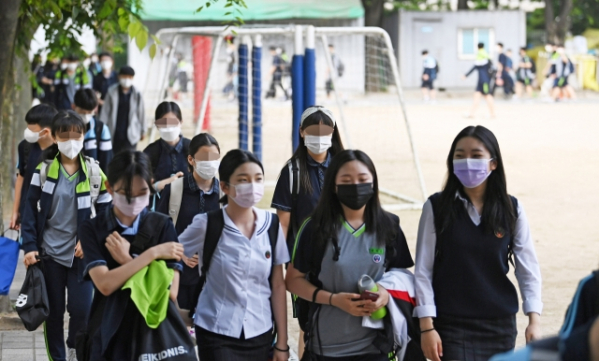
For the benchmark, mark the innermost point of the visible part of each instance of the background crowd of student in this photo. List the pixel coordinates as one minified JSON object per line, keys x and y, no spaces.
{"x":329,"y":228}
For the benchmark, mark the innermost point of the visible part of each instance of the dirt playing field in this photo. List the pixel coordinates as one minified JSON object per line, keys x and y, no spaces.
{"x":551,"y":154}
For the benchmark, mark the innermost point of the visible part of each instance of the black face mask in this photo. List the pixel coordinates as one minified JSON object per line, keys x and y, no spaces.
{"x":355,"y":196}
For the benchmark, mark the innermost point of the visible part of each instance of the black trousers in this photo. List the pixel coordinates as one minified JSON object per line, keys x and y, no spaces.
{"x":215,"y":347}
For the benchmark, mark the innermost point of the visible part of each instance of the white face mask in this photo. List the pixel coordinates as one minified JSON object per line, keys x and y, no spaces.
{"x":63,"y":66}
{"x":31,"y":136}
{"x":170,"y":134}
{"x":549,"y":48}
{"x":248,"y":195}
{"x":86,"y":63}
{"x":207,"y":169}
{"x":106,"y":64}
{"x":72,"y":66}
{"x":87,"y":118}
{"x":70,"y":148}
{"x":318,"y":144}
{"x":126,"y":82}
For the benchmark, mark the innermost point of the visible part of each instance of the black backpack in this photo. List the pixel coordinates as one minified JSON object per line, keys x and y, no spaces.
{"x":33,"y":306}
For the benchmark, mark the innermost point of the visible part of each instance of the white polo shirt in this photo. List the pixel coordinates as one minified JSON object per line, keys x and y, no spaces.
{"x":237,"y":291}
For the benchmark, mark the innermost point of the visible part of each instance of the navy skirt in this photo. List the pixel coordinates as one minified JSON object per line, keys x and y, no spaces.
{"x":468,"y":339}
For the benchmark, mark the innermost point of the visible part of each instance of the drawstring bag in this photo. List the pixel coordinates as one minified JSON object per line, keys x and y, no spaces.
{"x":9,"y":256}
{"x":32,"y":304}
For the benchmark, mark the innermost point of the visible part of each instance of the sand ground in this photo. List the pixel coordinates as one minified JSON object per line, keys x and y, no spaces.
{"x":551,"y":155}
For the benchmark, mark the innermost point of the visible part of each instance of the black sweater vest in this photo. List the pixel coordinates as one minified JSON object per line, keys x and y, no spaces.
{"x":470,"y":272}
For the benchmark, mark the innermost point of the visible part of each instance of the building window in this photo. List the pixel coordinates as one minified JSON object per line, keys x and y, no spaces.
{"x":468,"y":40}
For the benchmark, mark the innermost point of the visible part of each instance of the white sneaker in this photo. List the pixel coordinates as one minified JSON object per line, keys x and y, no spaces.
{"x":71,"y":355}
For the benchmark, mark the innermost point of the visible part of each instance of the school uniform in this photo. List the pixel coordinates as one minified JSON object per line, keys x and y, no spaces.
{"x":508,"y":83}
{"x":168,"y":160}
{"x":562,"y":71}
{"x":30,"y":155}
{"x":64,"y":203}
{"x":102,"y":83}
{"x":429,"y":68}
{"x":233,"y":315}
{"x":97,"y":143}
{"x":124,"y":115}
{"x":469,"y":294}
{"x":306,"y":202}
{"x":339,"y":335}
{"x":193,"y":202}
{"x":66,"y":86}
{"x":482,"y":64}
{"x":525,"y":75}
{"x":113,"y":338}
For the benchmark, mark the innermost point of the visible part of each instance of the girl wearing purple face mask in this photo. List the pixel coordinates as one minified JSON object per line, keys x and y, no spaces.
{"x":244,"y":288}
{"x":469,"y":234}
{"x":113,"y":255}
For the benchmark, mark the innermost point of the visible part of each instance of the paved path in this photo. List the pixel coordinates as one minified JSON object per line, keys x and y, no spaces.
{"x":22,"y":346}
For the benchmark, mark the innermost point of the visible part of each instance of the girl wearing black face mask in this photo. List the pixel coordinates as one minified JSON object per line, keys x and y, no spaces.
{"x":348,"y":235}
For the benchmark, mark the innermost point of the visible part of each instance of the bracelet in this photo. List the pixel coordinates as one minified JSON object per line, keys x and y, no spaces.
{"x":429,"y":330}
{"x":315,"y":294}
{"x":331,"y":299}
{"x":278,"y":349}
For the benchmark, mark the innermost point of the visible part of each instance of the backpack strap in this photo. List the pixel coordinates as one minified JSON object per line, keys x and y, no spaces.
{"x":174,"y":203}
{"x":273,"y":235}
{"x":95,"y":181}
{"x":44,"y":171}
{"x":294,"y":188}
{"x":596,"y":273}
{"x":149,"y":231}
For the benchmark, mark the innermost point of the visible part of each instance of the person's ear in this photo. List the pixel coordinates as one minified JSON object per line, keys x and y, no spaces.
{"x":493,"y":164}
{"x":108,"y":187}
{"x":302,"y":133}
{"x":191,"y":161}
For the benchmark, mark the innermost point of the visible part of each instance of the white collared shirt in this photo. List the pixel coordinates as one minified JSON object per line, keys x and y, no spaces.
{"x":527,"y":270}
{"x":237,"y":293}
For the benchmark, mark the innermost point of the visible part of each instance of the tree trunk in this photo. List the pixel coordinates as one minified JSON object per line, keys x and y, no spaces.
{"x":373,"y":16}
{"x":462,"y":4}
{"x":556,"y":28}
{"x":9,"y":15}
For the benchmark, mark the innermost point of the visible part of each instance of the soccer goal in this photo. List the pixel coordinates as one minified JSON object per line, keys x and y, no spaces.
{"x":249,"y":86}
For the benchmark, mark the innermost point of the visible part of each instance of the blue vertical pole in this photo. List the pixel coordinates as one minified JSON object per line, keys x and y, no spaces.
{"x":309,"y":69}
{"x":297,"y":84}
{"x":243,"y":95}
{"x":257,"y":97}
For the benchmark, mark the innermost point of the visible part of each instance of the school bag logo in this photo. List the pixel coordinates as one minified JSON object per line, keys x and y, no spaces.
{"x":21,"y":300}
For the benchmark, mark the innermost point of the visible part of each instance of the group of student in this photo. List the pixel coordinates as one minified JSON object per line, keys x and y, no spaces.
{"x":329,"y":229}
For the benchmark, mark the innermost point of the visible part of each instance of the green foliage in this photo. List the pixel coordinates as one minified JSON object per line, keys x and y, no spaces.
{"x":584,"y":15}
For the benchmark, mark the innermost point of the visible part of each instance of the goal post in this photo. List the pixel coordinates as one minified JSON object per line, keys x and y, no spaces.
{"x":354,"y":65}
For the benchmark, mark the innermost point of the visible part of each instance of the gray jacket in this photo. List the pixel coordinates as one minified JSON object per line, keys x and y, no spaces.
{"x":137,"y":120}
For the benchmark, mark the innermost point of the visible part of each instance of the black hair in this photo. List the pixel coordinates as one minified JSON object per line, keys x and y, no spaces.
{"x":168,"y":107}
{"x":500,"y":44}
{"x":231,"y":161}
{"x":498,"y":211}
{"x":103,"y":54}
{"x":523,"y":48}
{"x":424,"y":52}
{"x":72,"y":57}
{"x":64,"y":121}
{"x":481,"y":45}
{"x":41,"y":114}
{"x":128,"y":164}
{"x":272,"y":48}
{"x":328,"y":211}
{"x":301,"y":153}
{"x":331,"y":46}
{"x":199,"y":141}
{"x":86,"y":99}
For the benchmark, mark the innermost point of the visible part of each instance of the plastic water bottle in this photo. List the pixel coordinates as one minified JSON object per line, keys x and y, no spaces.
{"x":366,"y":283}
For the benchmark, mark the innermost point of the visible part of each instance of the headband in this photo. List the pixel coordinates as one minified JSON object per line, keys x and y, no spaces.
{"x":317,"y":108}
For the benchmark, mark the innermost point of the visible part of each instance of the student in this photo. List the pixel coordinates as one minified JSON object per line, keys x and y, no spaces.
{"x":525,"y":75}
{"x":429,"y":74}
{"x":45,"y":79}
{"x":319,"y":142}
{"x":106,"y":78}
{"x":503,"y":77}
{"x":482,"y":65}
{"x":123,"y":112}
{"x":338,"y":67}
{"x":199,"y":192}
{"x":38,"y":137}
{"x":169,"y":154}
{"x":68,"y":80}
{"x":97,"y":142}
{"x":244,"y":290}
{"x":350,"y":234}
{"x":276,"y":73}
{"x":561,"y":69}
{"x":50,"y":221}
{"x":465,"y":302}
{"x":112,"y":256}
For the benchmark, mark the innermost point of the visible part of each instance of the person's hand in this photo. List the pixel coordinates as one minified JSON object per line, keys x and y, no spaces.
{"x":100,"y":101}
{"x":381,"y":302}
{"x":143,"y":136}
{"x":191,"y":262}
{"x":31,"y":258}
{"x":169,"y":250}
{"x":349,"y":303}
{"x":431,"y":345}
{"x":78,"y":250}
{"x":280,"y":355}
{"x":425,"y":77}
{"x":118,"y":248}
{"x":499,"y":81}
{"x":533,"y":331}
{"x":15,"y":221}
{"x":171,"y":179}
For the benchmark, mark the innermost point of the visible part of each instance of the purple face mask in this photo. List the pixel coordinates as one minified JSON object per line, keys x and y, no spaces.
{"x":471,"y":172}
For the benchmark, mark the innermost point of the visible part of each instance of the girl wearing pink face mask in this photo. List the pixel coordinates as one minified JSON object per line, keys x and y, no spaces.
{"x":114,"y":253}
{"x":469,"y":234}
{"x":243,"y":287}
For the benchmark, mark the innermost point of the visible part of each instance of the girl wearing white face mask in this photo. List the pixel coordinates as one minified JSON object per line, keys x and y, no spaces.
{"x":116,"y":247}
{"x":188,"y":196}
{"x":241,"y":251}
{"x":58,"y":201}
{"x":301,"y":180}
{"x":169,"y":153}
